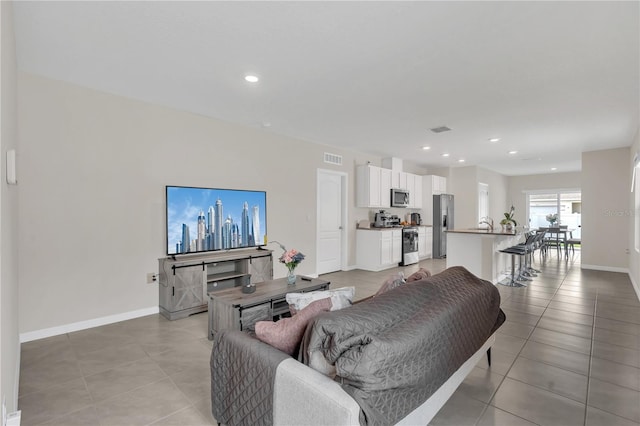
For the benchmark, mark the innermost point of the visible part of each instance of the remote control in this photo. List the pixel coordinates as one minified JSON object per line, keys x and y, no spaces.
{"x":305,"y":278}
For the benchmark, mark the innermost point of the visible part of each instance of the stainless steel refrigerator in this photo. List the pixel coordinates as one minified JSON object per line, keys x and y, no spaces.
{"x":442,"y":220}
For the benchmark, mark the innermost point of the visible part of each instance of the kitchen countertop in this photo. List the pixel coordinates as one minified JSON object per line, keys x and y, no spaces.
{"x":373,"y":228}
{"x":484,"y":231}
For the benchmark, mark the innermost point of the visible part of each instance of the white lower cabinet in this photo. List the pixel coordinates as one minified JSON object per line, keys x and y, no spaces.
{"x":425,"y":241}
{"x":377,"y":250}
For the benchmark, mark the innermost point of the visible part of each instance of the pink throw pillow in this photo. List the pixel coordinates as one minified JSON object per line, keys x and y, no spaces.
{"x":287,"y":333}
{"x":420,"y":274}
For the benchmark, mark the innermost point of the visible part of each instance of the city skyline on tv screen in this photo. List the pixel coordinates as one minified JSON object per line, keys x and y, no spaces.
{"x":207,"y":219}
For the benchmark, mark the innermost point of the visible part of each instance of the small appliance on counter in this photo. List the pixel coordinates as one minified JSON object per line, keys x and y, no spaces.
{"x":381,"y":219}
{"x":385,"y":220}
{"x":415,"y":219}
{"x":394,"y":221}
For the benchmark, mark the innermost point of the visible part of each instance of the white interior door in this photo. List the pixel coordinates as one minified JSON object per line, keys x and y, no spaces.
{"x":330,"y":221}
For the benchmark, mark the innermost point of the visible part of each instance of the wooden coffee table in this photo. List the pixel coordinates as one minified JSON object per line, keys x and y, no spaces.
{"x":231,"y":309}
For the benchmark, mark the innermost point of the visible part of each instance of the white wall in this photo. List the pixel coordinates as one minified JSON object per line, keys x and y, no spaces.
{"x":634,"y":256}
{"x":92,"y":194}
{"x":463,"y":184}
{"x":94,"y":167}
{"x":9,"y":341}
{"x":606,"y":179}
{"x":519,"y":185}
{"x":498,"y":195}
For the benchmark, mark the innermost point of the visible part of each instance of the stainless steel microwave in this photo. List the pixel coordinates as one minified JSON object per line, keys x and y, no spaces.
{"x":399,"y":198}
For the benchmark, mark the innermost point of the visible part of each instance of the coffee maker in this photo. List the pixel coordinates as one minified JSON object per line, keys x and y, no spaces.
{"x":381,"y":220}
{"x":415,"y":219}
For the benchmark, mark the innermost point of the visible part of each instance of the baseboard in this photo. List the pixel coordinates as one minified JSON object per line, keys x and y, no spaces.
{"x":605,"y":268}
{"x":83,"y":325}
{"x":635,"y":284}
{"x":16,"y":385}
{"x":350,"y":268}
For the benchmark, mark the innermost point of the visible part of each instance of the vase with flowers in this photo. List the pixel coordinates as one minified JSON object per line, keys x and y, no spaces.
{"x":552,"y":218}
{"x":509,"y":222}
{"x":291,"y":259}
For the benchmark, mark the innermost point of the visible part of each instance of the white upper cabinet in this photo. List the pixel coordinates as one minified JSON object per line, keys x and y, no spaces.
{"x":368,"y":186}
{"x":373,"y":186}
{"x":385,"y":188}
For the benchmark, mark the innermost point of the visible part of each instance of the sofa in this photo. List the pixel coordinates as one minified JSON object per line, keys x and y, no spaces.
{"x":393,"y":359}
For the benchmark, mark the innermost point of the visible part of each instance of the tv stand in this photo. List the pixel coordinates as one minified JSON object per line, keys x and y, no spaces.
{"x":185,"y":281}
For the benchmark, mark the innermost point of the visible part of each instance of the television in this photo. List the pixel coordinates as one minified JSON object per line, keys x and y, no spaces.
{"x":211,"y":219}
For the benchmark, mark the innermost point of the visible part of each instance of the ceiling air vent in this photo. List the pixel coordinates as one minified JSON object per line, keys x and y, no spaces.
{"x":440,"y":129}
{"x":333,"y":159}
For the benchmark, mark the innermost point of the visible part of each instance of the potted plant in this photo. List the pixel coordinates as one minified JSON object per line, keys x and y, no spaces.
{"x":552,"y":219}
{"x":509,"y":222}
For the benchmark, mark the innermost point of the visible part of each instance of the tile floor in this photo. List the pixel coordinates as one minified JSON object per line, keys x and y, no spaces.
{"x":569,"y":353}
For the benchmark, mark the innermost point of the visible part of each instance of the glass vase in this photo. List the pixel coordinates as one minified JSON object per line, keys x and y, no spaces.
{"x":291,"y":277}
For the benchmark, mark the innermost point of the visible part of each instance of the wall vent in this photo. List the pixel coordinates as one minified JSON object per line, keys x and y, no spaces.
{"x":333,"y":159}
{"x":440,"y":129}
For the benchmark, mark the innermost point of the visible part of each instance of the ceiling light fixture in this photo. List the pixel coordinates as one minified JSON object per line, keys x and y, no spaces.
{"x":494,"y":139}
{"x":554,"y":168}
{"x":461,"y":160}
{"x":513,"y":152}
{"x":445,"y":154}
{"x":251,"y":78}
{"x":426,"y":148}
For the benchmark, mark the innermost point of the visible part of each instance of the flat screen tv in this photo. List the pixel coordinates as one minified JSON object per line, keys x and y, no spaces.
{"x":210,"y":219}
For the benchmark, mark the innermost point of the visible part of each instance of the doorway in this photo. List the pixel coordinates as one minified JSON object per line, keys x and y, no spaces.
{"x":563,"y":207}
{"x":331,"y":220}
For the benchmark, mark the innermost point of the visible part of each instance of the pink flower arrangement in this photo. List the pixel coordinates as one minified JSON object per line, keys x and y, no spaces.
{"x":291,"y":259}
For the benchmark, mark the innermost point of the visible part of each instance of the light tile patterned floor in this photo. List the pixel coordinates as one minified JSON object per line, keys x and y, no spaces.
{"x":569,"y":353}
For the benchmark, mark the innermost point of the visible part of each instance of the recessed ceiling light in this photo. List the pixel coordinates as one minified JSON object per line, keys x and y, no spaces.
{"x":554,"y":168}
{"x":494,"y":139}
{"x":513,"y":152}
{"x":461,"y":160}
{"x":426,"y":148}
{"x":251,"y":78}
{"x":445,"y":155}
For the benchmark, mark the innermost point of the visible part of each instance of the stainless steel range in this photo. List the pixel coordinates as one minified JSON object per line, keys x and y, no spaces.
{"x":409,"y":246}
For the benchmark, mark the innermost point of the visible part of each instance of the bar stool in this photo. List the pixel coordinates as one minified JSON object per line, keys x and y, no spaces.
{"x":528,"y":246}
{"x":514,"y":281}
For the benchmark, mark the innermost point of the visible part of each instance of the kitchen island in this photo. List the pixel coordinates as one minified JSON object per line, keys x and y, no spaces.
{"x":478,"y":251}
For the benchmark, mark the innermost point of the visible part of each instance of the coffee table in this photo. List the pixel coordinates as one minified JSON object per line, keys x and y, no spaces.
{"x":231,"y":309}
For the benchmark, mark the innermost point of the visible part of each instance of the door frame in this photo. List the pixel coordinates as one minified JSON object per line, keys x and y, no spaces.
{"x":344,"y":185}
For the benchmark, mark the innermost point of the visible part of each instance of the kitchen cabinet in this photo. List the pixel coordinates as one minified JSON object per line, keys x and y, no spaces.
{"x":414,"y":185}
{"x":385,"y":188}
{"x":373,"y":186}
{"x":368,"y":189}
{"x":425,"y":241}
{"x":431,"y":185}
{"x":377,"y":250}
{"x":416,"y":195}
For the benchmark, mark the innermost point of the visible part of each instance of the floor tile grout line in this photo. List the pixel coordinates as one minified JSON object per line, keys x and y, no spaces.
{"x":518,"y":355}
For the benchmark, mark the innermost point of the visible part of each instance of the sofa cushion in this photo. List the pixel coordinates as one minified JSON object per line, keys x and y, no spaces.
{"x":286,"y":333}
{"x":340,"y":298}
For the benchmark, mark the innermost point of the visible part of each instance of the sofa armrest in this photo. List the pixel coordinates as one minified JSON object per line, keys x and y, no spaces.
{"x":303,"y":396}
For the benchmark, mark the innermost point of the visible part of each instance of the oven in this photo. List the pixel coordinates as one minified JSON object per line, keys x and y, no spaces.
{"x":409,"y":246}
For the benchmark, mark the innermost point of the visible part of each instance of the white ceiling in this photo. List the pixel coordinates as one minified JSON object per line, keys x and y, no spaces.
{"x":551,"y":79}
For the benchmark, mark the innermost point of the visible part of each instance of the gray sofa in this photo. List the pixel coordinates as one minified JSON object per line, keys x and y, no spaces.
{"x":398,"y":357}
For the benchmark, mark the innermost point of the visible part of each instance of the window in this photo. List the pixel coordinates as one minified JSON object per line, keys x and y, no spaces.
{"x":567,"y":205}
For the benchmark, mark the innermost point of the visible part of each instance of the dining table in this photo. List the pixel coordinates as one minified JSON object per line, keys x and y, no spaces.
{"x":559,"y":234}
